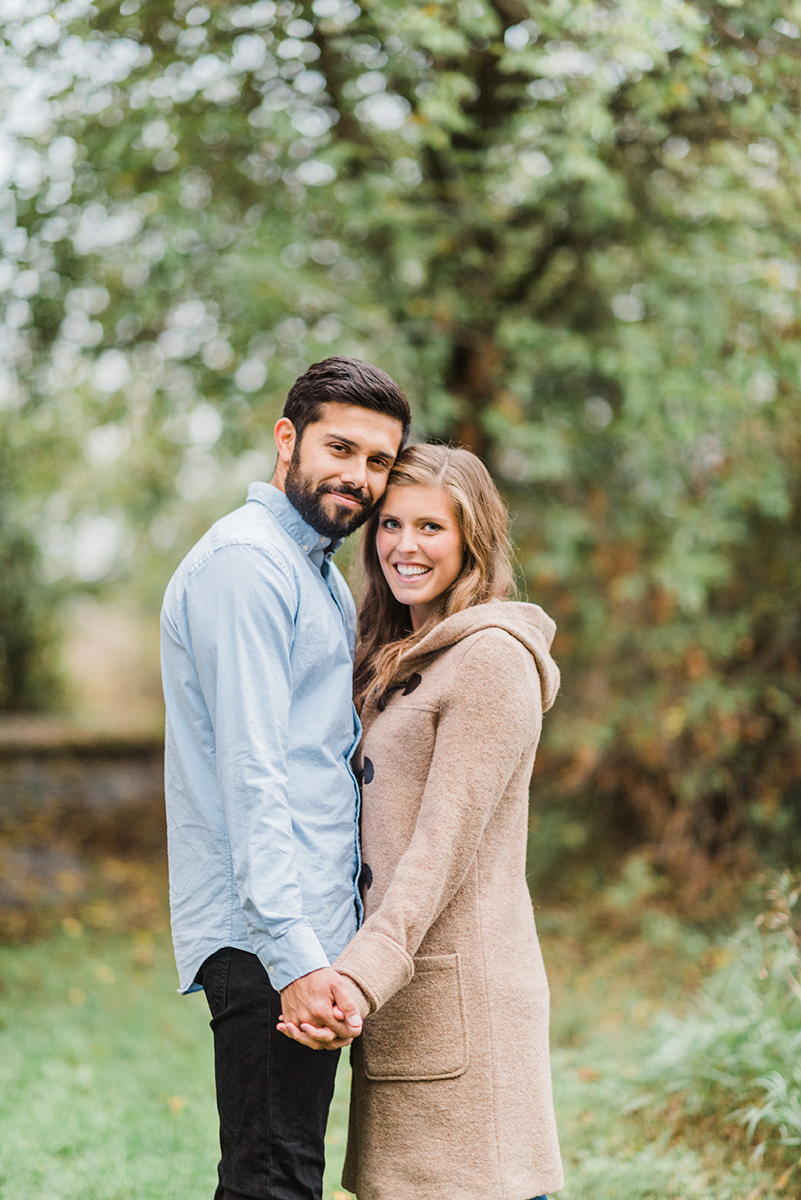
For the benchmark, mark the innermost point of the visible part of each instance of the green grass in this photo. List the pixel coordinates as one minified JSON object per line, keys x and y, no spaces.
{"x":106,"y":1088}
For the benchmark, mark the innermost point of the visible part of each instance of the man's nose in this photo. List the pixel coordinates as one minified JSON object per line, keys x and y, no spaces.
{"x":355,"y":473}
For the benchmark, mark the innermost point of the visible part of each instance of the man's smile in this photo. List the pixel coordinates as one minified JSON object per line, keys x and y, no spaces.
{"x":348,"y":499}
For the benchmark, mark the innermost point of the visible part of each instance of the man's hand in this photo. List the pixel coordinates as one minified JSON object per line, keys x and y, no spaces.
{"x":323,"y":1010}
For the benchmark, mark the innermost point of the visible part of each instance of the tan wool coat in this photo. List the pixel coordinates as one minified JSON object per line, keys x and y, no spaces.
{"x":451,"y":1096}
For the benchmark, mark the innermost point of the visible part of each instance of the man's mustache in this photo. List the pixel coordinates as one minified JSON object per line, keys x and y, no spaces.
{"x":346,"y":489}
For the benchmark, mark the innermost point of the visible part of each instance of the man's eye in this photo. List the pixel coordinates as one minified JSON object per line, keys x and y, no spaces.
{"x":380,"y":464}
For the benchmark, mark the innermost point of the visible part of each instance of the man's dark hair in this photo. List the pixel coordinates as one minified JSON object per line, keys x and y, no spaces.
{"x":345,"y":381}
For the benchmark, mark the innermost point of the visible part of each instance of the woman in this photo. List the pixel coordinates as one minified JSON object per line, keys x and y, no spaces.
{"x":451,"y":1096}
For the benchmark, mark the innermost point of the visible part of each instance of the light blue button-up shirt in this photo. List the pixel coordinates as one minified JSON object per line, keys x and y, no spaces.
{"x":258,"y":630}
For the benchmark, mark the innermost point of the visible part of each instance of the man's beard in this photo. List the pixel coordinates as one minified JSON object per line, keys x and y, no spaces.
{"x":308,"y":500}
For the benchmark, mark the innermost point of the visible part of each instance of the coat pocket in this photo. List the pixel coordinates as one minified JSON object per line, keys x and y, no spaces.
{"x":421,"y":1033}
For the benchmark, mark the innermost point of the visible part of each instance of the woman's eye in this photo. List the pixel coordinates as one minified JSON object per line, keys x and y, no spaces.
{"x":389,"y":523}
{"x":432,"y":527}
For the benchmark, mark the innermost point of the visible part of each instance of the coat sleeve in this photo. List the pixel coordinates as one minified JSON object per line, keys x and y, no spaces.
{"x":489,"y":718}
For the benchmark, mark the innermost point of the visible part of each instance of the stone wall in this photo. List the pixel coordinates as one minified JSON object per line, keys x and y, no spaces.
{"x":81,"y":819}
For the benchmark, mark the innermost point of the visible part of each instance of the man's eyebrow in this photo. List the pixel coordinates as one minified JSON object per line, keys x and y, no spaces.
{"x":336,"y":437}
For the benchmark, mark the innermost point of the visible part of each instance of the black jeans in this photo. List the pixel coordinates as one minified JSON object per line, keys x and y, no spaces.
{"x":273,"y":1094}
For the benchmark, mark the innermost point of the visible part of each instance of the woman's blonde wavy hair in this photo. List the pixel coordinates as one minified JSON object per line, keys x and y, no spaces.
{"x":487,"y":571}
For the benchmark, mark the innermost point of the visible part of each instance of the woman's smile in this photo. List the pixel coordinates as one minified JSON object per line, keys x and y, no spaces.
{"x":410,"y":570}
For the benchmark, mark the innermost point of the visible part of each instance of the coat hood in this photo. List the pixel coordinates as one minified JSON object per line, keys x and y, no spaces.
{"x":527,"y":622}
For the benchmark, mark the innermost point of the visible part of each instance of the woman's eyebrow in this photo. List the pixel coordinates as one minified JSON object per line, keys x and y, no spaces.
{"x":422,"y":520}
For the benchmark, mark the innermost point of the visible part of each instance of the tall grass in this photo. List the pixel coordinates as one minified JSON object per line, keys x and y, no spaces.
{"x":734,"y":1060}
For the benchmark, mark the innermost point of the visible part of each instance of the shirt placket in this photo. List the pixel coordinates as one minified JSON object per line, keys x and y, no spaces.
{"x":325,"y":571}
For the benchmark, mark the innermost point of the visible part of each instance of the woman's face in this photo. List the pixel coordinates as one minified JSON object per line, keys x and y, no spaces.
{"x":419,"y":547}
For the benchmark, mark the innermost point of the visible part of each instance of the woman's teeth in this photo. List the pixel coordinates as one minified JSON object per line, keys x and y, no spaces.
{"x":408,"y":572}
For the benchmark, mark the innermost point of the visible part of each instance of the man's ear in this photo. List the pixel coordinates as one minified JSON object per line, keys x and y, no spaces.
{"x":285,"y":439}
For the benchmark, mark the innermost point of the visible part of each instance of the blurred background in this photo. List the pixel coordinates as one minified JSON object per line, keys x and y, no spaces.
{"x":570,"y":231}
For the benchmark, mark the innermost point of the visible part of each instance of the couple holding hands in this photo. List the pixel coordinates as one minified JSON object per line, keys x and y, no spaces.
{"x":347,"y":819}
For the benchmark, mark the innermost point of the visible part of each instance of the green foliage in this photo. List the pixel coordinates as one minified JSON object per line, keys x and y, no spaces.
{"x":736,"y":1056}
{"x":569,"y":230}
{"x":29,"y":678}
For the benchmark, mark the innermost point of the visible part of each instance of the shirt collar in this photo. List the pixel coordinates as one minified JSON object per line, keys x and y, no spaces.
{"x":310,"y":541}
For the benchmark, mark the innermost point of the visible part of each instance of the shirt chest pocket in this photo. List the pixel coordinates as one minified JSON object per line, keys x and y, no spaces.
{"x":321,"y":640}
{"x":421,"y":1033}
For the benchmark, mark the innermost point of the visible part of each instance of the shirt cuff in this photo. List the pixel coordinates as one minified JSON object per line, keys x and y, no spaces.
{"x":294,"y":953}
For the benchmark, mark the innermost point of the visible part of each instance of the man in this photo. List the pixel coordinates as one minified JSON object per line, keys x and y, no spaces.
{"x":258,"y":630}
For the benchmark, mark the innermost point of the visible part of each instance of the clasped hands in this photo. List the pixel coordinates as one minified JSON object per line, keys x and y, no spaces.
{"x":324,"y":1010}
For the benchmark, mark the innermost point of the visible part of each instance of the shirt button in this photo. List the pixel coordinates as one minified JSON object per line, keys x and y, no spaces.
{"x":305,"y":547}
{"x":271,"y":969}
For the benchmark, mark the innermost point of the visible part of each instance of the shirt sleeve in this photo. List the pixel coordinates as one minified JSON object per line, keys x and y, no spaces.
{"x":490,"y":718}
{"x":241,"y":606}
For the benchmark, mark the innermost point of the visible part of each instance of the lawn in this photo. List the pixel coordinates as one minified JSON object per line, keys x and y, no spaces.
{"x":106,"y":1076}
{"x":106,"y":1089}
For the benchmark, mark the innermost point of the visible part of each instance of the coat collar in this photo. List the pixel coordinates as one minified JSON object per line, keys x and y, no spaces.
{"x":528,"y":623}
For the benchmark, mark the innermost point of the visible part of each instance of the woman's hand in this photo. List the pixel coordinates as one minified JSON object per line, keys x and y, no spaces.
{"x":315,"y":1039}
{"x":347,"y":993}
